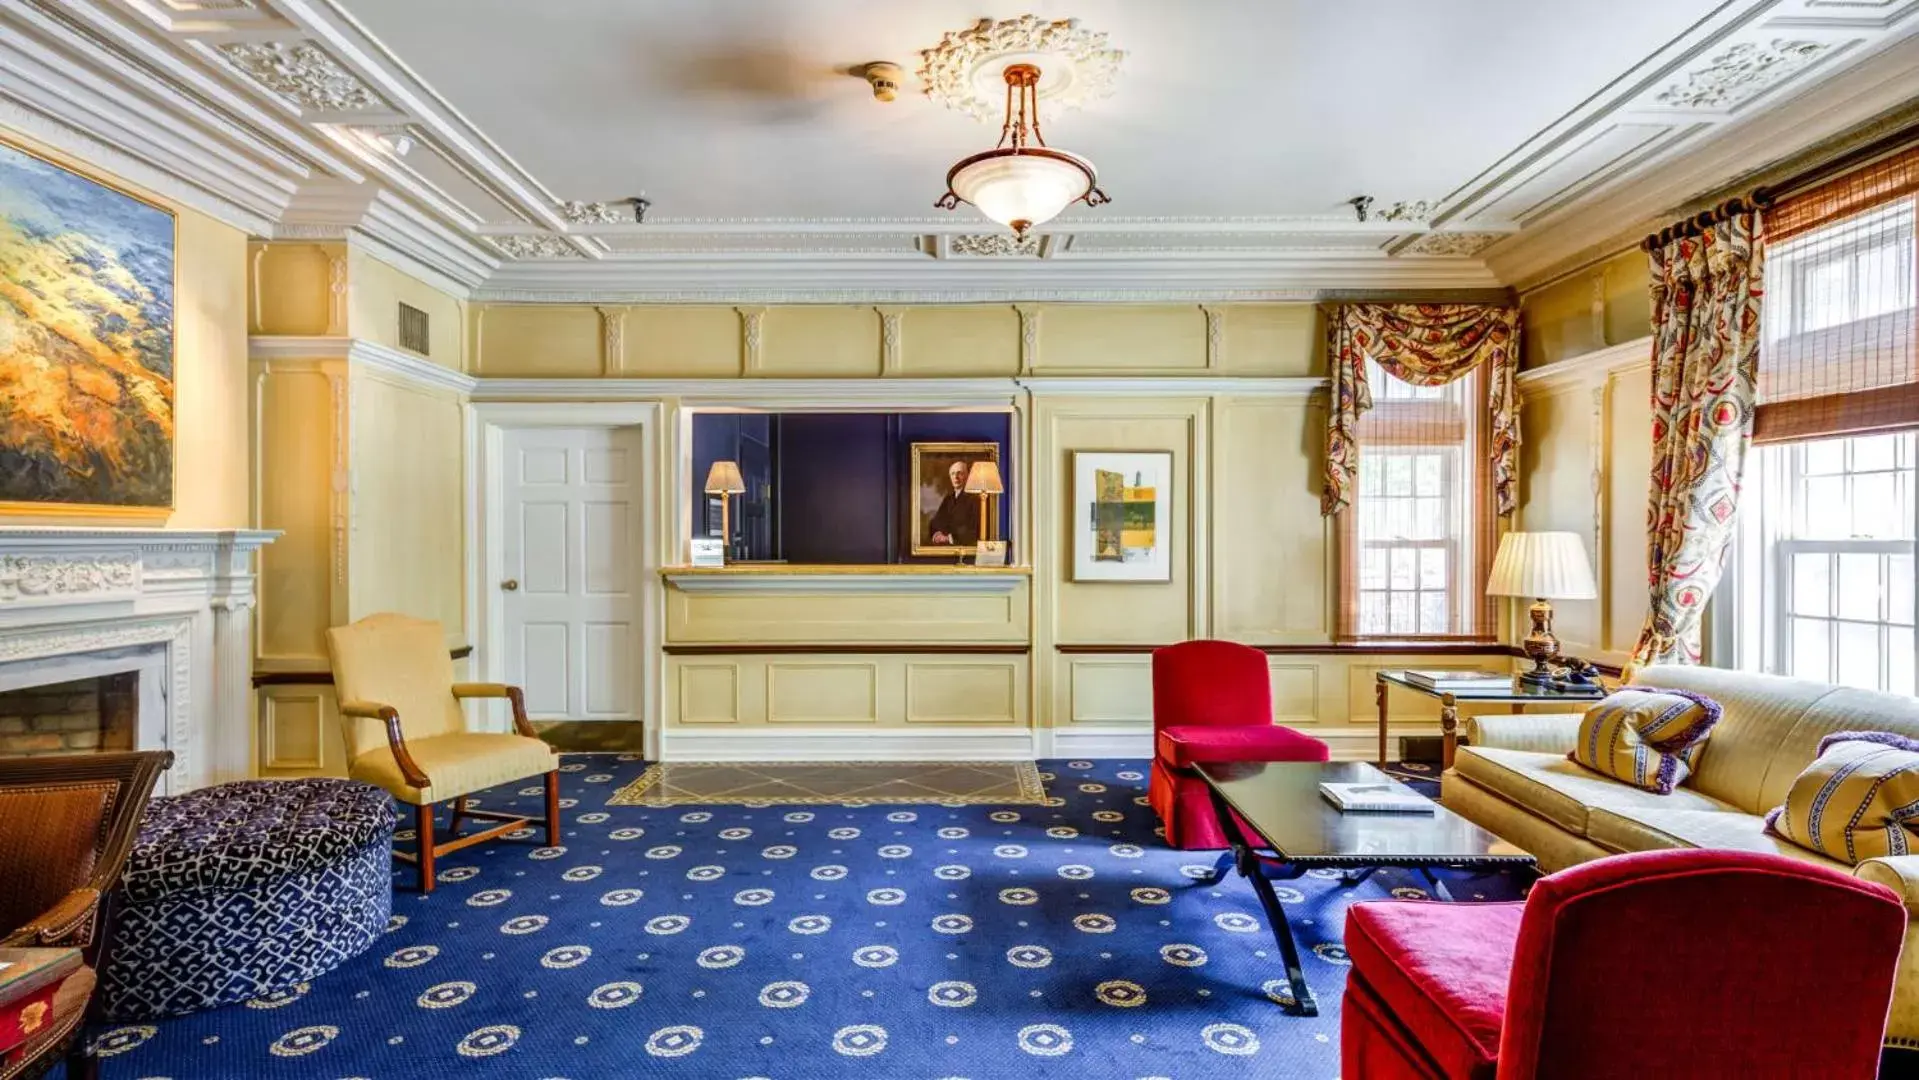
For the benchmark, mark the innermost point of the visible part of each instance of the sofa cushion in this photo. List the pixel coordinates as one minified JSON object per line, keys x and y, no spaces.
{"x":1844,"y":709}
{"x":1189,"y":744}
{"x":1441,"y":971}
{"x":1645,"y":737}
{"x":1758,"y":713}
{"x":1651,"y":828}
{"x":1858,"y":800}
{"x":1562,"y":791}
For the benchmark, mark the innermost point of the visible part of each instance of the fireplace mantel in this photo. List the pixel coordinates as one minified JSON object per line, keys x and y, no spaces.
{"x":66,"y":592}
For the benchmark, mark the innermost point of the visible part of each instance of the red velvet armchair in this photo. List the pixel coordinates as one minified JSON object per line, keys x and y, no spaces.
{"x":1693,"y":963}
{"x":1212,"y":701}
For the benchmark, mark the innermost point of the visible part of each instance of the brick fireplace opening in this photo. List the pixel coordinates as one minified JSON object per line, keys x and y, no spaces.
{"x":79,"y":716}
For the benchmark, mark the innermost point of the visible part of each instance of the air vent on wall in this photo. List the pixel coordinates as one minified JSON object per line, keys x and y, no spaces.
{"x":414,"y":334}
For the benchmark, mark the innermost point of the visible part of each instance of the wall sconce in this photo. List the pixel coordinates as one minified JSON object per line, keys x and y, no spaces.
{"x":984,"y":479}
{"x":724,"y":480}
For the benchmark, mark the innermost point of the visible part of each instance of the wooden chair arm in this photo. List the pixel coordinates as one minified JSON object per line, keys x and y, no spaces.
{"x":513,"y":694}
{"x":372,"y":710}
{"x":69,"y":922}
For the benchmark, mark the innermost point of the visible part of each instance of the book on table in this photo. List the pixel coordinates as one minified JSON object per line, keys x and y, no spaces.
{"x":1460,"y":680}
{"x":1376,"y":797}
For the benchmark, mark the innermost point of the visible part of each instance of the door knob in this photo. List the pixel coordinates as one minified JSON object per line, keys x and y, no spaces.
{"x":510,"y":584}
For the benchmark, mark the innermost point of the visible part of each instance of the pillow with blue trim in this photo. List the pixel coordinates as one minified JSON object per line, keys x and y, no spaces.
{"x":1646,"y":737}
{"x":1858,"y":800}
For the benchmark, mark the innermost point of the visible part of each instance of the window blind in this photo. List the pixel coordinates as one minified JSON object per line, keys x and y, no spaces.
{"x":1838,"y":354}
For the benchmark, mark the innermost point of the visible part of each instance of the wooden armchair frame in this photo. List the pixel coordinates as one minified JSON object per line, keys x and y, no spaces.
{"x":82,"y":918}
{"x":430,"y":848}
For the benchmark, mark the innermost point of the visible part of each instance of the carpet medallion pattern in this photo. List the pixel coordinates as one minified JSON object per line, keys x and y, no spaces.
{"x":792,"y":943}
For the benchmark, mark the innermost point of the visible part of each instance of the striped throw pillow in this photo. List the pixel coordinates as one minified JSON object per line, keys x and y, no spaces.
{"x":1858,"y":800}
{"x":1645,"y":737}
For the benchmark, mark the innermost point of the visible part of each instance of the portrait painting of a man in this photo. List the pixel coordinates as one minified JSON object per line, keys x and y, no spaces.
{"x":945,"y":516}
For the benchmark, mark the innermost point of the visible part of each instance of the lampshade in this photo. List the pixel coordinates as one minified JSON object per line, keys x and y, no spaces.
{"x":724,"y":479}
{"x":983,"y":478}
{"x":1025,"y":188}
{"x":1542,"y":565}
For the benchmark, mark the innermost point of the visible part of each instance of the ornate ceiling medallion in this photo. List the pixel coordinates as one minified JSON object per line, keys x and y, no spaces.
{"x":966,"y":71}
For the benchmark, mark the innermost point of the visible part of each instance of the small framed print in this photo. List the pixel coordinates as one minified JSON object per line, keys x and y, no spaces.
{"x":709,"y":551}
{"x":991,"y":553}
{"x":1122,"y":515}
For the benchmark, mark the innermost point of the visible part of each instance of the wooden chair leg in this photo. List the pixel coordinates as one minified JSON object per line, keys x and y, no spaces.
{"x":423,"y":815}
{"x":553,"y":808}
{"x":459,"y":811}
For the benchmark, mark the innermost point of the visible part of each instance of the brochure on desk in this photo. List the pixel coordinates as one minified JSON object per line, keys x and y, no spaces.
{"x":1387,"y":797}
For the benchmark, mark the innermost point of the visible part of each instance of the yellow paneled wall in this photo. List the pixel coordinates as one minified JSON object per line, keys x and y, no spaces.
{"x":298,"y":289}
{"x":829,"y":618}
{"x":846,"y":690}
{"x":1602,"y":305}
{"x":407,"y":527}
{"x":376,"y":291}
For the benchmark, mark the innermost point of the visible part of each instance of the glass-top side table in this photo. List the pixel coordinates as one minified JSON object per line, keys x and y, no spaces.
{"x":1514,"y":693}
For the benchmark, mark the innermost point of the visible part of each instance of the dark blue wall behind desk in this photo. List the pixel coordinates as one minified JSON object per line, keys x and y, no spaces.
{"x":840,"y":479}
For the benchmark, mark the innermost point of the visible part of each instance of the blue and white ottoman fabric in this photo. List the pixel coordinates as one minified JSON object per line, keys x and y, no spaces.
{"x":247,"y":889}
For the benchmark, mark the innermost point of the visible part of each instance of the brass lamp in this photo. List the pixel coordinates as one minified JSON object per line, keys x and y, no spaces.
{"x":1545,"y":566}
{"x":724,"y":480}
{"x":983,"y":479}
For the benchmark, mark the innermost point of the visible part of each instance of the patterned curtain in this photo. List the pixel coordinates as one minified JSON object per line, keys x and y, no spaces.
{"x":1706,"y":293}
{"x":1427,"y":345}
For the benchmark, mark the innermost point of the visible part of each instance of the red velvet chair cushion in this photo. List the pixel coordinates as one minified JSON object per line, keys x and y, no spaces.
{"x":1185,"y":746}
{"x":1440,"y":971}
{"x":1211,"y":682}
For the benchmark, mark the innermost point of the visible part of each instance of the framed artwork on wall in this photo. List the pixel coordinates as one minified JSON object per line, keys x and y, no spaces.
{"x":944,"y":517}
{"x":1122,"y":515}
{"x":86,"y":344}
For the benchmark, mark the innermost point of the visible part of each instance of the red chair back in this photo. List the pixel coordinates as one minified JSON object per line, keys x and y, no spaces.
{"x":1701,"y":963}
{"x":1210,"y":682}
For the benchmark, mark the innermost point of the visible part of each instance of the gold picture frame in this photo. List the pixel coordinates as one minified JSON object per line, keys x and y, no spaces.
{"x":22,"y":166}
{"x":932,"y":498}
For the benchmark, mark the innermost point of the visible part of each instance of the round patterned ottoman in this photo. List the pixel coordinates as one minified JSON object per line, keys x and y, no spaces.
{"x":245,"y":889}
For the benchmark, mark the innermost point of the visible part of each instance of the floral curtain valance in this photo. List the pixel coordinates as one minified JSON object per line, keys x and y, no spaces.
{"x":1427,"y":345}
{"x":1706,"y":292}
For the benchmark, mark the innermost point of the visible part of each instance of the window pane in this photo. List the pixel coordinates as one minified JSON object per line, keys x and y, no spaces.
{"x":1826,"y":516}
{"x":1899,"y":589}
{"x":1899,"y":660}
{"x":1428,"y":475}
{"x":1372,"y":569}
{"x":1859,"y":587}
{"x":1875,"y":508}
{"x":1399,"y":475}
{"x":1825,"y":457}
{"x":1405,"y":568}
{"x":1432,"y":568}
{"x":1812,"y":584}
{"x":1368,"y":474}
{"x":1811,"y":650}
{"x":1826,"y":288}
{"x":1372,"y":613}
{"x":1403,"y":618}
{"x":1399,"y":520}
{"x":1873,"y":452}
{"x":1429,"y":519}
{"x":1859,"y":655}
{"x":1432,"y":613}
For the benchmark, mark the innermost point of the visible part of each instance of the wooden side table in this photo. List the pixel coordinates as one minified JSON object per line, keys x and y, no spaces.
{"x":1516,"y":694}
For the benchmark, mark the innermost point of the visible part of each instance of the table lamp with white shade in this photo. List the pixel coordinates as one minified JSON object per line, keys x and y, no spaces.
{"x":1545,"y":566}
{"x":724,"y":480}
{"x":984,"y":480}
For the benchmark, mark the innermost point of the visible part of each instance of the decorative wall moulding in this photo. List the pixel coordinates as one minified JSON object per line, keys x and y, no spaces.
{"x":1587,"y":369}
{"x":371,"y":354}
{"x":303,"y":74}
{"x":1460,"y":244}
{"x":761,"y":584}
{"x":965,"y":70}
{"x":1740,"y":73}
{"x":919,"y":743}
{"x":597,"y":213}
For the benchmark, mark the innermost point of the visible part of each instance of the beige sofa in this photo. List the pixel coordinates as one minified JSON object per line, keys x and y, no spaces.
{"x":1514,"y":780}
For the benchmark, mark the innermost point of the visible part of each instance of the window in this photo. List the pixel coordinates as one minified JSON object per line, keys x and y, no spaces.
{"x":1820,"y":579}
{"x":1414,"y":534}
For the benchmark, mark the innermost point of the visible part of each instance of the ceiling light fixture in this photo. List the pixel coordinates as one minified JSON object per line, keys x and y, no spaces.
{"x":1022,"y":182}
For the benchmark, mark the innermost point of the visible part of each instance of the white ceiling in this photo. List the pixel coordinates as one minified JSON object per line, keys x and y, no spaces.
{"x":1522,"y":136}
{"x":737,"y":108}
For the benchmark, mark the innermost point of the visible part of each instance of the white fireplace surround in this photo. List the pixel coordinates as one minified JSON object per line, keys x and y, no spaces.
{"x":174,"y":604}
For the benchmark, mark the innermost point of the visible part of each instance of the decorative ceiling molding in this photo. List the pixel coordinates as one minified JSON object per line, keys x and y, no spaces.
{"x":597,"y":213}
{"x":1407,"y":211}
{"x":995,"y":244}
{"x":536,"y":246}
{"x":1740,"y":73}
{"x":304,"y":74}
{"x":962,"y":71}
{"x":1462,"y":244}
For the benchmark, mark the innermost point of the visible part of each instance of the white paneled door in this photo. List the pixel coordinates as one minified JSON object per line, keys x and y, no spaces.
{"x":569,"y":588}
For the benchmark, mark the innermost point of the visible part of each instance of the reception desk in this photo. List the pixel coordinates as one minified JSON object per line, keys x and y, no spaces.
{"x":779,"y":662}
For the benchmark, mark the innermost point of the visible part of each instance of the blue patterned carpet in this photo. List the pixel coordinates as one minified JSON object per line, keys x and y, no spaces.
{"x":794,"y":943}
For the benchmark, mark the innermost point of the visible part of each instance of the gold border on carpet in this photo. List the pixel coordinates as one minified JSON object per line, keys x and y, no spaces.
{"x":649,"y":789}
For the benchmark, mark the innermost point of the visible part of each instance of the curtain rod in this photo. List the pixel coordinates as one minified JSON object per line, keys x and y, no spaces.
{"x":1761,"y":199}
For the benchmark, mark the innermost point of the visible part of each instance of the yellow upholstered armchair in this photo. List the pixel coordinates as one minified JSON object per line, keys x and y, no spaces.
{"x":406,"y":732}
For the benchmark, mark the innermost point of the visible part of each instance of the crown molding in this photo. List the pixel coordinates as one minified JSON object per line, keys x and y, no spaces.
{"x":1587,"y":369}
{"x":1174,"y":386}
{"x":384,"y":359}
{"x":790,"y":394}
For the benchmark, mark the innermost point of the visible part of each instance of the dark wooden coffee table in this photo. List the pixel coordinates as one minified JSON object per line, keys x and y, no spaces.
{"x":1302,"y":831}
